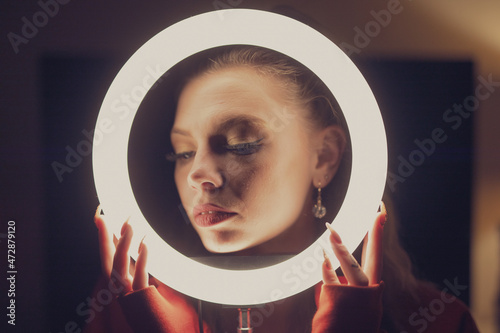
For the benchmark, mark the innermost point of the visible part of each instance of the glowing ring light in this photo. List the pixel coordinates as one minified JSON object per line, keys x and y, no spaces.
{"x":285,"y":35}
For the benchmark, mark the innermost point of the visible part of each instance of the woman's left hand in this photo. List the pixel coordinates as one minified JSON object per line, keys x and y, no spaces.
{"x":370,"y":271}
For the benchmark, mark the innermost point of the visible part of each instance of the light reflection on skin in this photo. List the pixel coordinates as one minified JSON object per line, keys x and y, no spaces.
{"x":268,"y":183}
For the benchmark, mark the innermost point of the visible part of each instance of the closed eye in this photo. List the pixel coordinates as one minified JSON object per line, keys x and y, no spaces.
{"x":173,"y":157}
{"x":246,"y":148}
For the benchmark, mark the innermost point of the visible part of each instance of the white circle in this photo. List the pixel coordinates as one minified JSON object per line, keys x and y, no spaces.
{"x":285,"y":35}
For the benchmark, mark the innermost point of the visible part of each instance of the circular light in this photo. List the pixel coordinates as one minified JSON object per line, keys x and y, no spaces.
{"x":285,"y":35}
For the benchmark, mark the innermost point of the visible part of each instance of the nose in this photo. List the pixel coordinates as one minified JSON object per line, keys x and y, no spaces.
{"x":206,"y":173}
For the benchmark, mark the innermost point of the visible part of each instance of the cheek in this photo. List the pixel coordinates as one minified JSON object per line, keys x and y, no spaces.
{"x":244,"y":177}
{"x":258,"y":185}
{"x":293,"y":175}
{"x":180,"y":178}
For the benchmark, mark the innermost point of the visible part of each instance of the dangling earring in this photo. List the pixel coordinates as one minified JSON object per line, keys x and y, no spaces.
{"x":319,"y":210}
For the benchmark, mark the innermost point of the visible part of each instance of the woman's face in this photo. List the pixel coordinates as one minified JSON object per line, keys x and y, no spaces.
{"x":244,"y":162}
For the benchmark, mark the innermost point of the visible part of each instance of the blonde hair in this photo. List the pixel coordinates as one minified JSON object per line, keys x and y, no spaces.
{"x":300,"y":84}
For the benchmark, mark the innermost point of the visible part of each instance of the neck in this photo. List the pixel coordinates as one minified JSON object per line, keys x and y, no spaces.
{"x":292,"y":241}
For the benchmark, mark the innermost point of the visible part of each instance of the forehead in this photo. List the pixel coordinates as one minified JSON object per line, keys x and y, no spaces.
{"x":238,"y":90}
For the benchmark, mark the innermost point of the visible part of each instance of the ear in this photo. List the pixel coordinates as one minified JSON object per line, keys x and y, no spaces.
{"x":331,"y":143}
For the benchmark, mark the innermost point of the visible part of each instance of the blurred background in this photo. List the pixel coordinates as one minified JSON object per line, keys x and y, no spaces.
{"x":422,"y":58}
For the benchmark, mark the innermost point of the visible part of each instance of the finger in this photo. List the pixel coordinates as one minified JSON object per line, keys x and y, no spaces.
{"x":373,"y":248}
{"x":141,"y":274}
{"x":363,"y":250}
{"x":329,"y":275}
{"x":106,"y":246}
{"x":365,"y":240}
{"x":121,"y":259}
{"x":350,"y":267}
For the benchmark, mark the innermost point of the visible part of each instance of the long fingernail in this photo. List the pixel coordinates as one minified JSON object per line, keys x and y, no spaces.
{"x":97,"y":216}
{"x":335,"y":235}
{"x":126,"y":228}
{"x":328,"y":263}
{"x":141,"y":244}
{"x":383,"y":210}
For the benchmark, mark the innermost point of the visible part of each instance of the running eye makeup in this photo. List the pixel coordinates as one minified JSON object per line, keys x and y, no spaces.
{"x":241,"y":135}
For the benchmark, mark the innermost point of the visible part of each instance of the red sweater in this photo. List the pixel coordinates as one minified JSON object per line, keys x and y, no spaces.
{"x":340,"y":308}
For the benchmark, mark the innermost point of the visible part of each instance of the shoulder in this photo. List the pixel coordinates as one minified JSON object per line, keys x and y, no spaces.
{"x":438,"y":311}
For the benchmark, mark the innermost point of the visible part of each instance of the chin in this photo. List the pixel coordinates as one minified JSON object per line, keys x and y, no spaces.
{"x":224,"y":242}
{"x":224,"y":247}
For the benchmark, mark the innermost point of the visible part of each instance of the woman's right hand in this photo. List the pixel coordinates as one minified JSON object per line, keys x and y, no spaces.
{"x":115,"y":261}
{"x":145,"y":308}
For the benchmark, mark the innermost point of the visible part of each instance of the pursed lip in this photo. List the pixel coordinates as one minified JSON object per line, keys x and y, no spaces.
{"x":206,"y":215}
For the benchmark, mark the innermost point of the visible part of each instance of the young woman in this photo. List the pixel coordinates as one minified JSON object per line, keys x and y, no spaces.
{"x":260,"y":152}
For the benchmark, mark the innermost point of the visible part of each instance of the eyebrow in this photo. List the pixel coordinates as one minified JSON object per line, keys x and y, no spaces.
{"x":245,"y":120}
{"x":179,"y":131}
